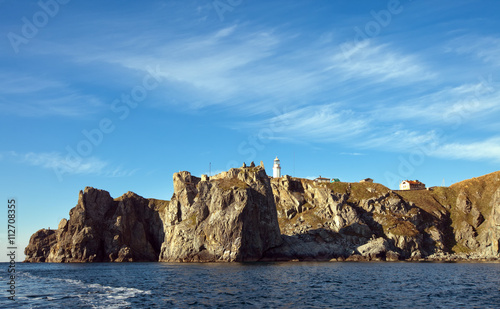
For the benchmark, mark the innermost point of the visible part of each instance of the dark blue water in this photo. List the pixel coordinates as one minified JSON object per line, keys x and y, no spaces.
{"x":259,"y":285}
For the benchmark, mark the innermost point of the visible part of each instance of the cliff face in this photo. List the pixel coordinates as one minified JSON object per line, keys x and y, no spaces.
{"x":231,"y":218}
{"x":243,"y":215}
{"x":357,"y":221}
{"x":476,"y":215}
{"x":365,"y":221}
{"x":39,"y":246}
{"x":103,"y":229}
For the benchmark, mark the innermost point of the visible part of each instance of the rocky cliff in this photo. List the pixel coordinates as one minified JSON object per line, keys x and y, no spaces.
{"x":357,"y":221}
{"x":367,"y":221}
{"x":231,"y":217}
{"x":243,"y":215}
{"x":103,"y":229}
{"x":228,"y":218}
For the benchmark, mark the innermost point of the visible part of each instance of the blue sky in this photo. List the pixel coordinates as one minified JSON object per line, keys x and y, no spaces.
{"x":120,"y":95}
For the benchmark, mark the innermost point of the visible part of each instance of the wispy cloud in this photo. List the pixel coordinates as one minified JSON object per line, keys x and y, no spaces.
{"x":399,"y":140}
{"x":253,"y":68}
{"x":352,"y":154}
{"x":485,"y":49}
{"x":392,"y":97}
{"x":56,"y":161}
{"x":29,"y":96}
{"x":380,"y":63}
{"x":60,"y":165}
{"x":487,"y":150}
{"x":323,"y":123}
{"x":462,"y":103}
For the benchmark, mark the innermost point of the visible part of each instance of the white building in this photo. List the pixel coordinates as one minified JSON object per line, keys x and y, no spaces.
{"x":411,"y":185}
{"x":276,"y":168}
{"x":322,"y":179}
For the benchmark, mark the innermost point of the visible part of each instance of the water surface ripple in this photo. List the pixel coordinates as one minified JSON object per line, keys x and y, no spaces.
{"x":256,"y":285}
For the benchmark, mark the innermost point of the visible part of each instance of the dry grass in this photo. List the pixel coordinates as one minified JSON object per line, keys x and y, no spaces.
{"x":231,"y":183}
{"x":309,"y":218}
{"x":158,"y":205}
{"x":396,"y":224}
{"x":425,"y":200}
{"x":338,"y":187}
{"x":364,"y":191}
{"x":480,"y":190}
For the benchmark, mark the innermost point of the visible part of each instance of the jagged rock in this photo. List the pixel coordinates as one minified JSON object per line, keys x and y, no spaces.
{"x":39,"y":246}
{"x":357,"y":258}
{"x":305,"y":247}
{"x":466,"y":236}
{"x":62,"y":224}
{"x":463,"y":203}
{"x":490,"y":238}
{"x":232,"y":218}
{"x":350,"y":221}
{"x":374,"y":249}
{"x":391,"y":256}
{"x":102,"y":229}
{"x":357,"y":230}
{"x":477,"y":218}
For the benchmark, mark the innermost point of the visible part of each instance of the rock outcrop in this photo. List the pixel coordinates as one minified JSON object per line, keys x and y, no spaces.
{"x":338,"y":220}
{"x":244,"y":215}
{"x":229,"y":218}
{"x":39,"y":246}
{"x":342,"y":220}
{"x":102,"y":229}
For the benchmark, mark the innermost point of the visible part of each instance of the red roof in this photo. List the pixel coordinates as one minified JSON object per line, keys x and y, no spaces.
{"x":414,"y":182}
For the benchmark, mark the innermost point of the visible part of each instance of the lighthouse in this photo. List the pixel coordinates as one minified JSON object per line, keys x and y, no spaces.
{"x":276,"y":168}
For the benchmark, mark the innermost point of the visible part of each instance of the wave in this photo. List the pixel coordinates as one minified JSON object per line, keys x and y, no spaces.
{"x":56,"y":290}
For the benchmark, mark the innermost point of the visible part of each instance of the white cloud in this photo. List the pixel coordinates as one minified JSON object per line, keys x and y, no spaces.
{"x":225,"y":32}
{"x":20,"y":84}
{"x":487,"y":150}
{"x":254,"y":69}
{"x":352,"y":154}
{"x":62,"y":165}
{"x":380,"y":63}
{"x":400,"y":140}
{"x":486,"y":49}
{"x":318,"y":123}
{"x":449,"y":106}
{"x":56,"y":161}
{"x":29,"y":96}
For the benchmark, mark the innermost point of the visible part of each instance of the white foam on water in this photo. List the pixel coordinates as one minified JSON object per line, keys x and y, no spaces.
{"x":94,"y":295}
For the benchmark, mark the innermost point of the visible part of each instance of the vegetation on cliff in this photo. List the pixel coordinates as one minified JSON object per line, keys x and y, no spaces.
{"x":244,"y":215}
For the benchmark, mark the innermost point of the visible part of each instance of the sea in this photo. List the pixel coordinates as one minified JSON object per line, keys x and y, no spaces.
{"x":254,"y":285}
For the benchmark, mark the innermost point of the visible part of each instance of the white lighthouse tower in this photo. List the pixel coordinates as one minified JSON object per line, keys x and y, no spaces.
{"x":276,"y":168}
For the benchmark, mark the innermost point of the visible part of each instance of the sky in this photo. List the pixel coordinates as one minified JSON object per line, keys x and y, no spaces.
{"x":119,"y":95}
